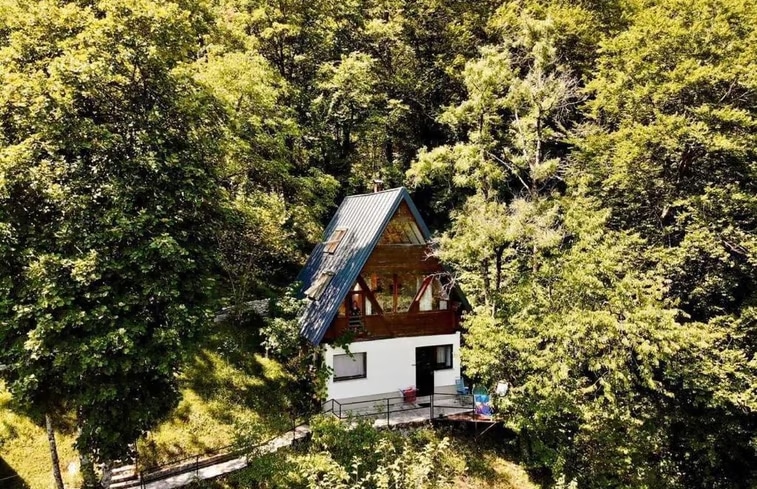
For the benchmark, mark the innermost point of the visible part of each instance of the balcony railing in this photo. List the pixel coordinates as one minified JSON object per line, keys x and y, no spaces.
{"x":395,"y":325}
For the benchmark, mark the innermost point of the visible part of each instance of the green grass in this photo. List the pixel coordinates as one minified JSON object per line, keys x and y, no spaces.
{"x":24,"y":451}
{"x":491,"y":469}
{"x":229,"y":394}
{"x":224,"y":401}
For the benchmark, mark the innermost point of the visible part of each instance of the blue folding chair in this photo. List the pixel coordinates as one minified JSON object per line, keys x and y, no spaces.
{"x":462,"y":389}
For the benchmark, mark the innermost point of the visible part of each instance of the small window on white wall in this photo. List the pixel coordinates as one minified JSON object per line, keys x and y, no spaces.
{"x":443,"y":358}
{"x":349,"y":367}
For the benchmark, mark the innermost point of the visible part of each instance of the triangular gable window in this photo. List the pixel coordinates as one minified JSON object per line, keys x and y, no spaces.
{"x":333,"y":243}
{"x":316,"y":289}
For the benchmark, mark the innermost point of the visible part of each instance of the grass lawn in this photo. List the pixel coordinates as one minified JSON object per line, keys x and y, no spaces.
{"x":227,"y":391}
{"x":491,"y":469}
{"x":24,"y":451}
{"x":223,"y":401}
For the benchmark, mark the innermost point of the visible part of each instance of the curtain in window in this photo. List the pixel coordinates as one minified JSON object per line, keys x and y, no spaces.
{"x":345,"y":367}
{"x":444,"y":356}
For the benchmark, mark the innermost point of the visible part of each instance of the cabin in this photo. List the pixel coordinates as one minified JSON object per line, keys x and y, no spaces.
{"x":373,"y":283}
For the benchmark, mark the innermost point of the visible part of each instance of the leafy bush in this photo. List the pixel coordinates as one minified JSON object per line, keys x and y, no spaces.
{"x":357,"y":456}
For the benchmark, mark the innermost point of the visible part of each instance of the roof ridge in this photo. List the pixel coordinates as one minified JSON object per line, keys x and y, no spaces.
{"x":368,"y":194}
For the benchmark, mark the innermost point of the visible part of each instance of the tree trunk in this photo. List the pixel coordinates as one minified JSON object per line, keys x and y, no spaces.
{"x":487,"y":281}
{"x":389,"y":151}
{"x":498,"y":272}
{"x":53,"y":452}
{"x":497,"y":276}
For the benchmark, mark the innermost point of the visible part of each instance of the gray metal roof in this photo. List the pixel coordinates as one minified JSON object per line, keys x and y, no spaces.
{"x":365,"y":217}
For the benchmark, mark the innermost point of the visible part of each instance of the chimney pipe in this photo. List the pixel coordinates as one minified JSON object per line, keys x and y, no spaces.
{"x":378,"y":185}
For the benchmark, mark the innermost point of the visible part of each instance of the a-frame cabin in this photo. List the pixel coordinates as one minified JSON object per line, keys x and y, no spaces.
{"x":373,"y":280}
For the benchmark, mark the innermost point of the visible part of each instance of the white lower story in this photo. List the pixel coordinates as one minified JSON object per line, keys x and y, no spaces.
{"x":390,"y":365}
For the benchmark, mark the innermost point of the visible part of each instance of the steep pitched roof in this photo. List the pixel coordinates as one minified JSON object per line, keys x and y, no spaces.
{"x":364,"y":217}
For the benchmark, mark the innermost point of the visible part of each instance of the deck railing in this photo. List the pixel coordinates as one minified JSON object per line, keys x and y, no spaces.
{"x":398,"y":409}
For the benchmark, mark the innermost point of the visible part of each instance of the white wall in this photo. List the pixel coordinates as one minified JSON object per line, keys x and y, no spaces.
{"x":391,"y":365}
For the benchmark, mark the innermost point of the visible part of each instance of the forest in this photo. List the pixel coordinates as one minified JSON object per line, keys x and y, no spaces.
{"x":588,"y":167}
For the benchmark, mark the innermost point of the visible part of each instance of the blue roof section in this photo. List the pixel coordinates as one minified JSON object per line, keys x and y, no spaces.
{"x":365,"y":217}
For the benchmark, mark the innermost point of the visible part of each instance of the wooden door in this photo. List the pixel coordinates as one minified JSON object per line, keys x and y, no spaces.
{"x":424,"y":370}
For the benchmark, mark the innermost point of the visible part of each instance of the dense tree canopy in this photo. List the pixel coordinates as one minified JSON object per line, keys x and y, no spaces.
{"x":109,"y":209}
{"x":607,"y":233}
{"x":589,"y":168}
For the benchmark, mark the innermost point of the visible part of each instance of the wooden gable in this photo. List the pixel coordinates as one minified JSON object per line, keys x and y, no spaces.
{"x":402,"y":229}
{"x":400,"y":290}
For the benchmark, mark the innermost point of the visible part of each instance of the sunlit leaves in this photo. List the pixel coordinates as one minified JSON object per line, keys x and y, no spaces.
{"x":108,"y":168}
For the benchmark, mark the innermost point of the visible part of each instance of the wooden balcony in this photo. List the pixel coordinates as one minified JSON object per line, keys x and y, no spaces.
{"x":397,"y":325}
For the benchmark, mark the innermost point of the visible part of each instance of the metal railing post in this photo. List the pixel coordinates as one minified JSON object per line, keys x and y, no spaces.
{"x":340,"y":410}
{"x":387,"y":411}
{"x":431,"y":406}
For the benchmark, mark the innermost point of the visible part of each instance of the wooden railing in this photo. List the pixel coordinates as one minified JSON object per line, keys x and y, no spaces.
{"x":397,"y":325}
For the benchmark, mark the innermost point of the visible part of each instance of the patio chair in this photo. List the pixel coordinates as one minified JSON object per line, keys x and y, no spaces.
{"x":462,"y":389}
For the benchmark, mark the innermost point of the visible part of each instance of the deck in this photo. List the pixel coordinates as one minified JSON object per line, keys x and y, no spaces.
{"x":399,"y":410}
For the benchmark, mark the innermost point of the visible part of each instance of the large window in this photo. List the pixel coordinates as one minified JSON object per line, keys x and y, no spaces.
{"x":433,"y":297}
{"x":443,"y":357}
{"x":356,"y":305}
{"x":407,"y":285}
{"x":349,"y":367}
{"x":395,"y":293}
{"x":382,"y":287}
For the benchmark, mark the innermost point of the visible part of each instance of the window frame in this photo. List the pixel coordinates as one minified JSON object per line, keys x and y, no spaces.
{"x":351,"y":377}
{"x":445,"y":365}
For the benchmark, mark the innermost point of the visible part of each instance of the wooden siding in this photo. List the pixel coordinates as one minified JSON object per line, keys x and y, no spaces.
{"x":402,"y":258}
{"x":397,"y":325}
{"x":398,"y":252}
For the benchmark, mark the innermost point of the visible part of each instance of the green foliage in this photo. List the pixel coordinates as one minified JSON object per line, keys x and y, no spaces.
{"x":588,"y":341}
{"x":110,"y":211}
{"x":674,"y":145}
{"x":358,"y":456}
{"x":590,"y":165}
{"x":509,"y":158}
{"x":281,"y":333}
{"x":281,"y":340}
{"x":670,"y":150}
{"x":608,"y":247}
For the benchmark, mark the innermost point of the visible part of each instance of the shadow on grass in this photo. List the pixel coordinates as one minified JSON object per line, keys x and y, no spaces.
{"x":64,"y":423}
{"x":9,"y":478}
{"x":491,"y":454}
{"x":256,"y":383}
{"x":232,"y":395}
{"x":230,"y":371}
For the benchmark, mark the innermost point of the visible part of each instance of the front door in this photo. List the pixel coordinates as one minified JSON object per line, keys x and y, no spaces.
{"x":424,"y":370}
